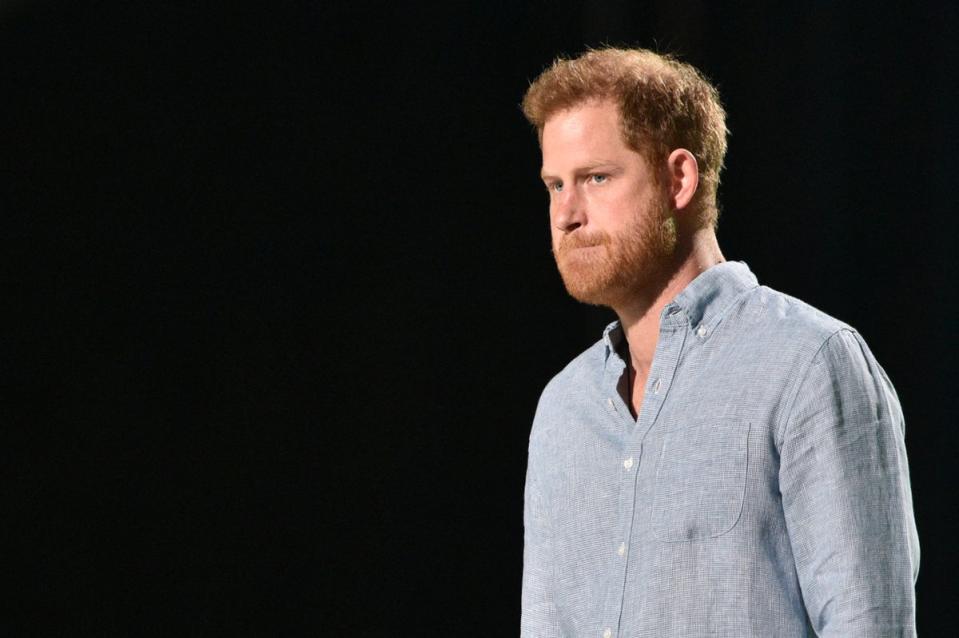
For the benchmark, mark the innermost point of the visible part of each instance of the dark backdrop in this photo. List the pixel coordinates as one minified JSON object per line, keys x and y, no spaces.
{"x":282,"y":301}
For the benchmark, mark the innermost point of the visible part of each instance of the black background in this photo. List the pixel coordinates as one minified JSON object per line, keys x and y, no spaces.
{"x":281,"y":300}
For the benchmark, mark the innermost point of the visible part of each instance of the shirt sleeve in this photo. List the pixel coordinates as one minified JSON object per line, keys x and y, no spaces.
{"x":538,"y":610}
{"x":846,"y":496}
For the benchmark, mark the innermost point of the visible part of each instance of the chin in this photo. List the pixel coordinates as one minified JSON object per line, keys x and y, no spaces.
{"x":603,"y":297}
{"x":610,"y":287}
{"x":592,"y":292}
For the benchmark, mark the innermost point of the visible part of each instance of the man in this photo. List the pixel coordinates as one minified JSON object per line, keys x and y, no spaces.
{"x":726,"y":460}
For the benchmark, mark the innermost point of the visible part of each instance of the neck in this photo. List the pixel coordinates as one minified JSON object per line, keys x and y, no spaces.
{"x":639,"y":314}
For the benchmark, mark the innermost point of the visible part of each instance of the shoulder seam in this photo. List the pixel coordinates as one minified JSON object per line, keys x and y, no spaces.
{"x":800,"y":381}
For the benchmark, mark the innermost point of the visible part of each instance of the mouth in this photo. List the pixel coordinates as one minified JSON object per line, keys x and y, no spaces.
{"x":570,"y":249}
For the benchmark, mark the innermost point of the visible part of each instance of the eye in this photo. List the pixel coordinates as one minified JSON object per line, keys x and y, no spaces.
{"x":555,"y":187}
{"x":598,"y":178}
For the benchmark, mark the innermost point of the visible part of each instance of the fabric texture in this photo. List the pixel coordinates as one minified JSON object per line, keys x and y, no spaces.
{"x":762,"y":491}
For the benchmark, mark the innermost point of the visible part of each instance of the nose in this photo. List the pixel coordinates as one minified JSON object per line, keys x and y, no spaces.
{"x":568,"y":211}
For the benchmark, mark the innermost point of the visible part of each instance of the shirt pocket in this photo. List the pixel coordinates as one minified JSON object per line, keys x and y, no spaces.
{"x":700,"y":480}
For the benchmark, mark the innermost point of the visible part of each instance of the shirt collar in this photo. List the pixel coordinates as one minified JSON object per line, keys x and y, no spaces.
{"x":701,"y":305}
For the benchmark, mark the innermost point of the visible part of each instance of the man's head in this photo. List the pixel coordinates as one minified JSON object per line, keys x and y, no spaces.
{"x":632,"y":147}
{"x":663,"y":105}
{"x":613,"y":231}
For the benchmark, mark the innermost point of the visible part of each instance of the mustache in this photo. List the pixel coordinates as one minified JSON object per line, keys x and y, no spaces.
{"x":579,"y":240}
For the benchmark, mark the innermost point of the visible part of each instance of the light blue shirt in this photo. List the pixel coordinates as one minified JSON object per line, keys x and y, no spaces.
{"x":762,"y":491}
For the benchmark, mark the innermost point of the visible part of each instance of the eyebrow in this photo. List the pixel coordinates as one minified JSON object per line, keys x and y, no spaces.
{"x":586,"y":168}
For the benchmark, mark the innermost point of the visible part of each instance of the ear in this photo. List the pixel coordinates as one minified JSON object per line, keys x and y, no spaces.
{"x":683,"y":173}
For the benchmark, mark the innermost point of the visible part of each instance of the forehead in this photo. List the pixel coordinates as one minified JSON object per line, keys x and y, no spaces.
{"x":586,"y":129}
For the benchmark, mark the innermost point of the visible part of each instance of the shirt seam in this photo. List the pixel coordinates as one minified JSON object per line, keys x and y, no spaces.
{"x":783,"y":425}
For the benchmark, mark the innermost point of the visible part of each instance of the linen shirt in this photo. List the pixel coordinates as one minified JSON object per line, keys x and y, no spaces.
{"x":763,"y":489}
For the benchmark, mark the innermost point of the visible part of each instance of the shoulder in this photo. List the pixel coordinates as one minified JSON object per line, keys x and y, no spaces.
{"x":832,"y":368}
{"x":815,"y":354}
{"x":792,"y":319}
{"x":826,"y":340}
{"x":569,"y":386}
{"x":583,"y":369}
{"x":784,"y":332}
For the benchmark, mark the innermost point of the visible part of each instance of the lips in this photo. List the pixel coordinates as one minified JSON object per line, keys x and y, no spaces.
{"x":565,"y":249}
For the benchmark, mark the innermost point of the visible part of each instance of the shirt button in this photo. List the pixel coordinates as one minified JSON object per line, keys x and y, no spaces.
{"x":656,"y":386}
{"x":702,"y":331}
{"x":609,"y":402}
{"x":622,"y":549}
{"x":607,"y":632}
{"x":628,"y":463}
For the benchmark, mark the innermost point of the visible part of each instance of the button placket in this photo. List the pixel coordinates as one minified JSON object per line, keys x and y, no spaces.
{"x":629,"y":469}
{"x":665,"y":359}
{"x":672,"y":338}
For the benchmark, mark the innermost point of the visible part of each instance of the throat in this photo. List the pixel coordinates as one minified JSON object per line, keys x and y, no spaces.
{"x":632,"y":389}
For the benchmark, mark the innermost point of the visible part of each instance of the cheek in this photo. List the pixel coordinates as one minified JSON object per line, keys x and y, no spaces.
{"x":607,"y":206}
